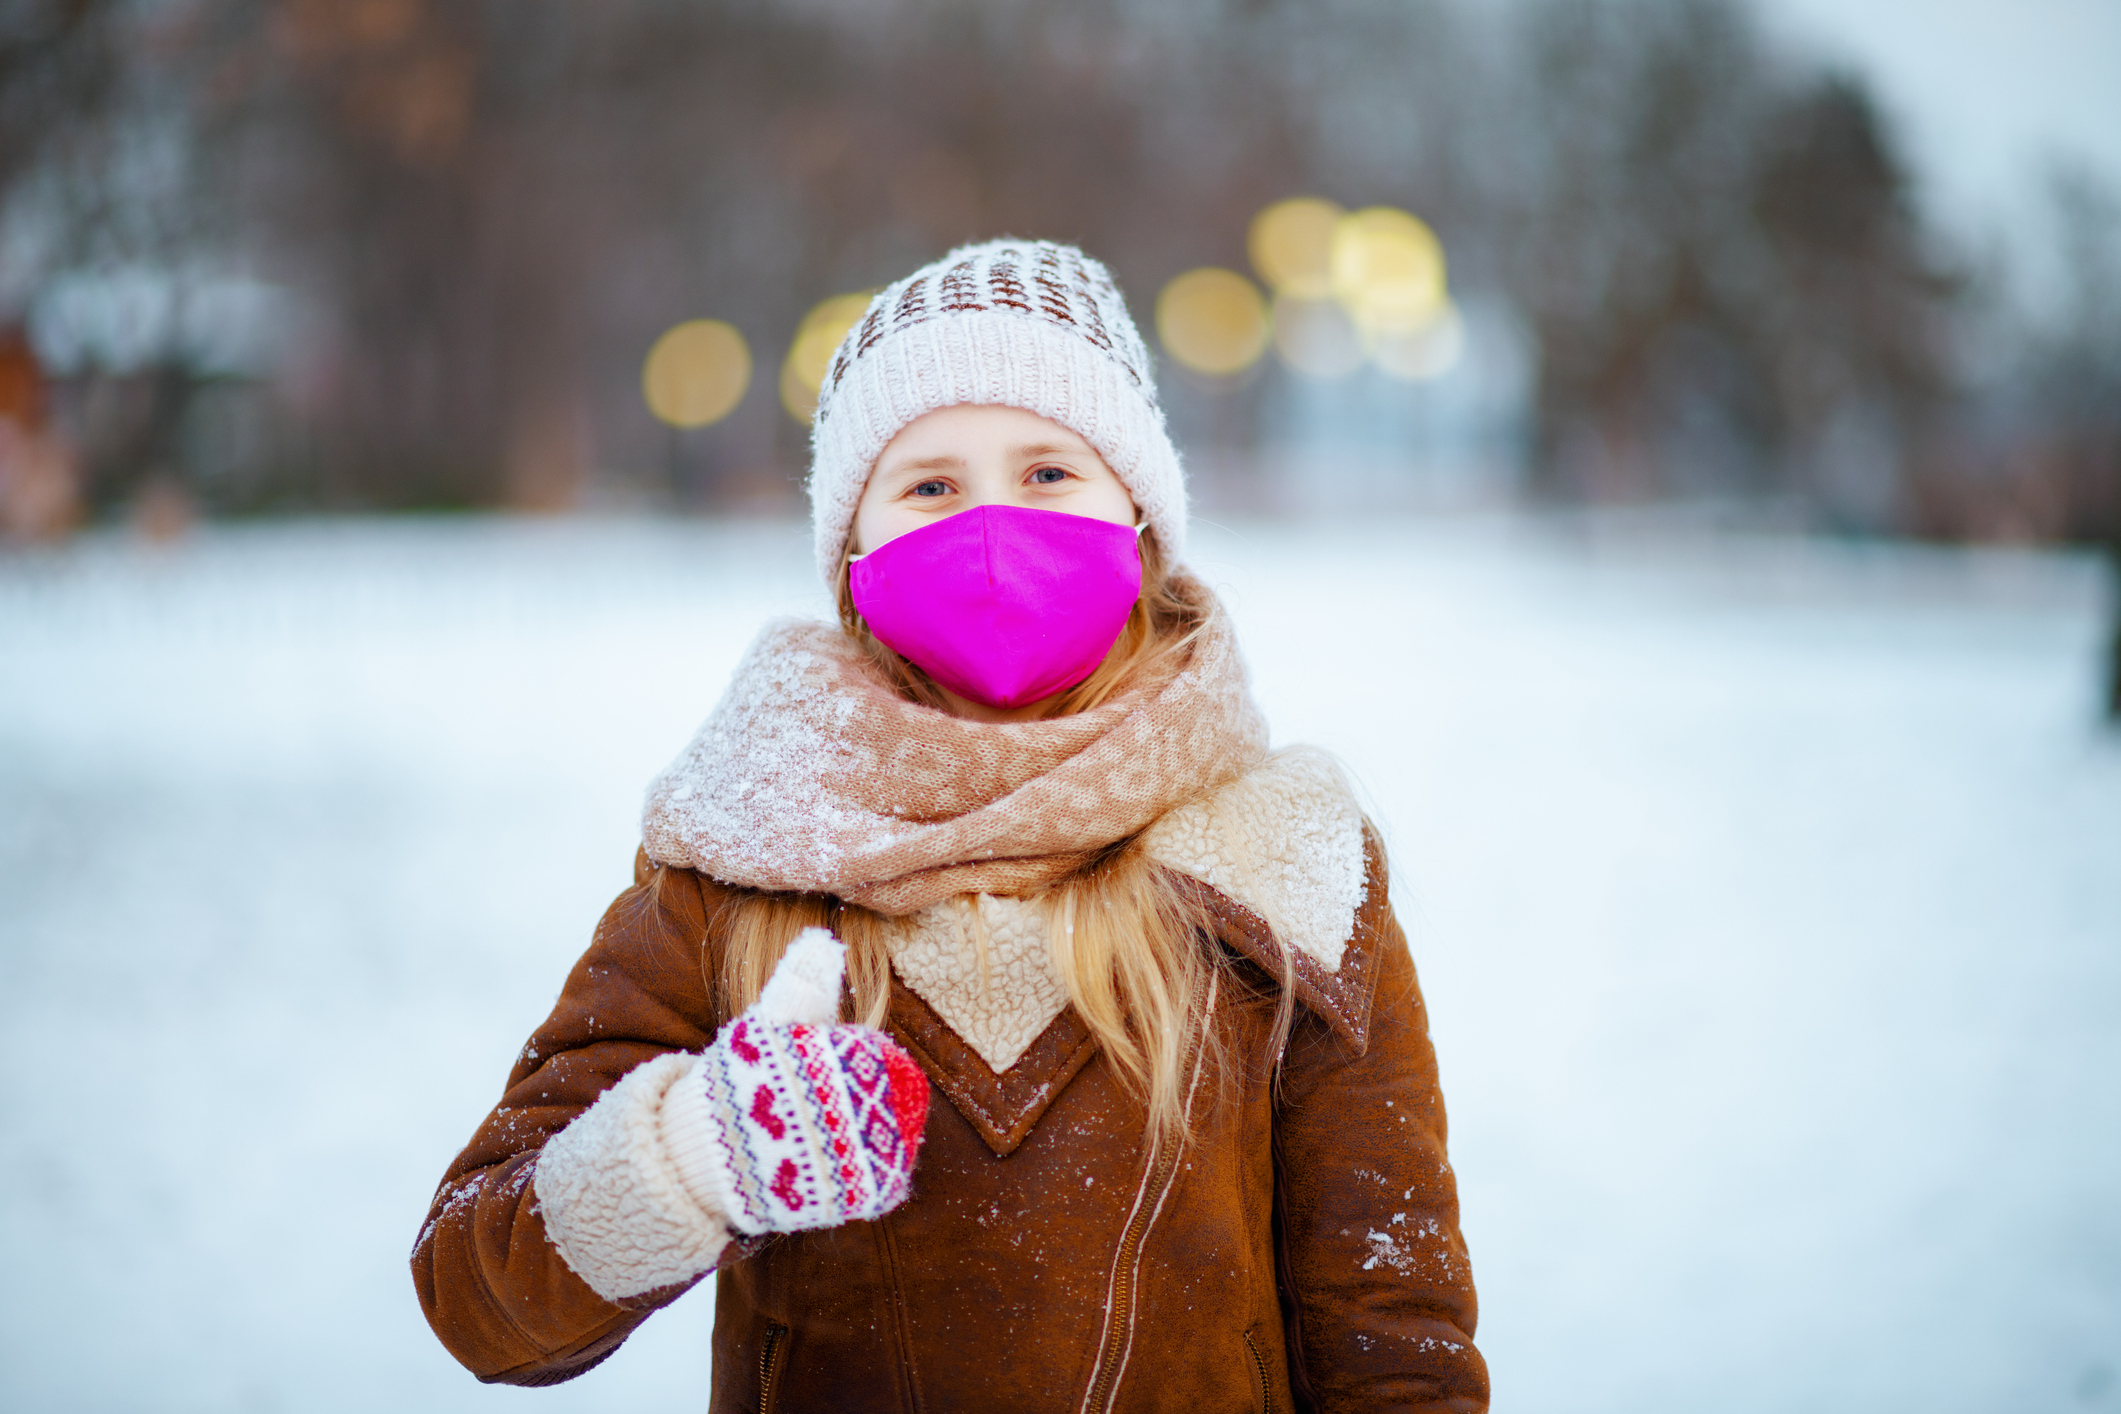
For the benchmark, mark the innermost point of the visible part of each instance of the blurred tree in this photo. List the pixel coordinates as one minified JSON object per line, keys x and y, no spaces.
{"x":59,"y":65}
{"x":1639,"y":116}
{"x":1857,"y":310}
{"x":2077,"y":377}
{"x":95,"y":163}
{"x":477,"y":216}
{"x":489,"y":211}
{"x":1728,"y":283}
{"x":2078,"y":362}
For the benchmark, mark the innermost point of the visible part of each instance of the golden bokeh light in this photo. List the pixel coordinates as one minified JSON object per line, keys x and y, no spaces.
{"x":1291,"y":245}
{"x":1427,"y":352}
{"x":1213,"y":321}
{"x":1350,"y":286}
{"x":803,"y":371}
{"x":1315,"y":337}
{"x":1388,"y":269}
{"x":696,"y":373}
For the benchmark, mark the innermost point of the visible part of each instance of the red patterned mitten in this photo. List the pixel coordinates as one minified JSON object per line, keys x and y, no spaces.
{"x":796,"y":1122}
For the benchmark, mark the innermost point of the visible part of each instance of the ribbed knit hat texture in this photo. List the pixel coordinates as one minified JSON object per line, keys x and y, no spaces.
{"x":1025,"y":324}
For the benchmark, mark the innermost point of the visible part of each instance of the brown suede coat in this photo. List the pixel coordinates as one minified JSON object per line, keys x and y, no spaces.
{"x":1303,"y":1252}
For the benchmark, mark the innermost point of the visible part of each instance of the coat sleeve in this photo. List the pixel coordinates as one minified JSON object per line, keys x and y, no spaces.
{"x":494,"y":1286}
{"x":1379,"y":1294}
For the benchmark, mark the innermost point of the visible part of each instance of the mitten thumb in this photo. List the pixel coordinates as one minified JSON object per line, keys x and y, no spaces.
{"x":797,"y":1122}
{"x":805,"y":987}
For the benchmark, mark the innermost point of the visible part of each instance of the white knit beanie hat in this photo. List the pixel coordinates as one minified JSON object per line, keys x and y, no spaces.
{"x":1025,"y":324}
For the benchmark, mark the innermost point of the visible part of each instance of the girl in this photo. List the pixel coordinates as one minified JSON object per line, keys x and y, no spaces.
{"x":992,"y":1012}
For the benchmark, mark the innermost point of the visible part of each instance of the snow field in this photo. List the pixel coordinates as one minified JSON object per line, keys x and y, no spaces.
{"x":1767,"y":895}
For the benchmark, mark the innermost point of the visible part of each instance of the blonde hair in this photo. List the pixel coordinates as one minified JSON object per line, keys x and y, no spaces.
{"x":1128,"y":940}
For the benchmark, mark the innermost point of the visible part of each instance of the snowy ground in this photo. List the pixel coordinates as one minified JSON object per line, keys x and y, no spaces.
{"x":1768,"y":895}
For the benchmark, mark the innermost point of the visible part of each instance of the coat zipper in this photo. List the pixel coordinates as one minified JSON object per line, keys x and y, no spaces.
{"x":1259,"y":1363}
{"x":1123,"y":1297}
{"x":1120,"y":1333}
{"x":769,"y":1367}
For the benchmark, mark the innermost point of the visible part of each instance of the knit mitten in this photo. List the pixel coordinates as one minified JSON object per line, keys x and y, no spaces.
{"x":790,"y":1121}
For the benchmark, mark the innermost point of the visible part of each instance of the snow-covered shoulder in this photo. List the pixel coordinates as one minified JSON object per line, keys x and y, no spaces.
{"x":1286,"y":841}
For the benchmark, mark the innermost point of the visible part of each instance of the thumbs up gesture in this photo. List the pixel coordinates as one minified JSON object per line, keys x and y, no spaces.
{"x":807,"y":1124}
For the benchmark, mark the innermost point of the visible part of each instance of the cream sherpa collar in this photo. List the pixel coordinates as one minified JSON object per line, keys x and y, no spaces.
{"x":1284,"y":840}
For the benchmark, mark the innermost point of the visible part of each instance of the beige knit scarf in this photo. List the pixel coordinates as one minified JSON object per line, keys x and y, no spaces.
{"x":814,"y":776}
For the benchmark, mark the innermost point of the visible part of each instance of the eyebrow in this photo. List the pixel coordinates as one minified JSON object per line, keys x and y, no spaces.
{"x":951,"y":463}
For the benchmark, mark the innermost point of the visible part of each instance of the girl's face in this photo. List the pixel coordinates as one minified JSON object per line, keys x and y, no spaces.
{"x":955,"y":458}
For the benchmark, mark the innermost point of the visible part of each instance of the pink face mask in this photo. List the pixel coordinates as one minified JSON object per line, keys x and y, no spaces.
{"x":1002,"y":604}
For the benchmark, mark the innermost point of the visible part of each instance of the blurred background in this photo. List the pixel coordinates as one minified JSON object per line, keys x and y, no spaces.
{"x":396,"y":254}
{"x":1670,"y":448}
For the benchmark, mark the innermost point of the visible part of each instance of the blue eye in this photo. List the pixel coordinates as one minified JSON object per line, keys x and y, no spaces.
{"x":932,"y":488}
{"x":1050,"y":475}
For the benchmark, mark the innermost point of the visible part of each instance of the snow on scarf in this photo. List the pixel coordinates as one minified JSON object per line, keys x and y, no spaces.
{"x":814,"y":776}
